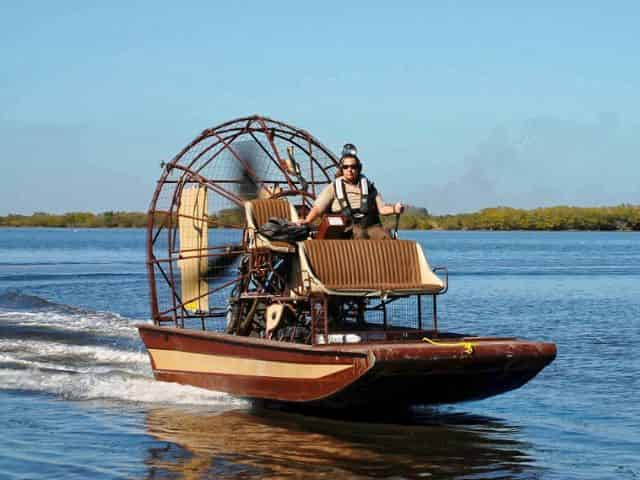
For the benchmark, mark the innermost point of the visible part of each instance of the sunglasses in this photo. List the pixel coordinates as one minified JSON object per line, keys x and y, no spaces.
{"x":351,"y":166}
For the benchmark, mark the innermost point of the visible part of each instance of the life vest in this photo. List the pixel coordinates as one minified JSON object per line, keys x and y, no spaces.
{"x":367,"y":213}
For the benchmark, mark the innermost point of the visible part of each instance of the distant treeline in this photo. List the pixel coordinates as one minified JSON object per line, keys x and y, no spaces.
{"x":622,"y":217}
{"x":225,"y":218}
{"x":77,"y":220}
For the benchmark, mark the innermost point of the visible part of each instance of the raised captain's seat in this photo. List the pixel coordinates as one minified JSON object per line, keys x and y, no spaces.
{"x":367,"y":267}
{"x":258,"y":212}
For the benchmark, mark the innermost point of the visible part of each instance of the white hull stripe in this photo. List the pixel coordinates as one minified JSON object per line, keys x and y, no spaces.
{"x":204,"y":363}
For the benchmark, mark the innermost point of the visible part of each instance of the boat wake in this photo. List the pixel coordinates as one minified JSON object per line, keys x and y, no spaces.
{"x":79,"y":354}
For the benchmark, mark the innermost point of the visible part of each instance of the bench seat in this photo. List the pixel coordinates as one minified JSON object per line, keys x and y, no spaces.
{"x":367,"y":267}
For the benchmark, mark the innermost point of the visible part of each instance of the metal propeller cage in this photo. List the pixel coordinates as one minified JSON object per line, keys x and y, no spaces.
{"x":229,"y":164}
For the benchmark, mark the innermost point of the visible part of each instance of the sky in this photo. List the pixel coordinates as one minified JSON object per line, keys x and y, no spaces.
{"x":454,"y":106}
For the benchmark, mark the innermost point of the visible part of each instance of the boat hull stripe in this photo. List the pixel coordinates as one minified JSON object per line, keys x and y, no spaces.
{"x":176,"y":360}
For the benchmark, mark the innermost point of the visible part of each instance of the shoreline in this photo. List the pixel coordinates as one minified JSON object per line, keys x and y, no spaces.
{"x":573,"y":230}
{"x":625,"y":217}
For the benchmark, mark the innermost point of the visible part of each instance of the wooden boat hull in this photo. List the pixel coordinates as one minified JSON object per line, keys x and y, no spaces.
{"x":344,"y":375}
{"x":419,"y":374}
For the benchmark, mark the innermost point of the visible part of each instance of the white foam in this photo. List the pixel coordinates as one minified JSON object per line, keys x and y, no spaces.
{"x":112,"y":387}
{"x":98,"y":354}
{"x":72,"y":358}
{"x":99,"y":322}
{"x":90,"y":372}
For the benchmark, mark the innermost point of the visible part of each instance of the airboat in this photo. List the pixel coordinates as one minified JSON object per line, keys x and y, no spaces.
{"x":322,"y":321}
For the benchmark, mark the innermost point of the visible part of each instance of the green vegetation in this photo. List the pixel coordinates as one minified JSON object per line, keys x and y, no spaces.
{"x":622,"y":217}
{"x":77,"y":220}
{"x":229,"y":217}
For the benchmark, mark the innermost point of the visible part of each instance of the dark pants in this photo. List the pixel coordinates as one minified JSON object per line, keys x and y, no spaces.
{"x":372,"y":232}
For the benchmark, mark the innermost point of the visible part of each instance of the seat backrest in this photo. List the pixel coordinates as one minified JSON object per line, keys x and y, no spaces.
{"x":370,"y":265}
{"x":263,"y":209}
{"x":258,"y":212}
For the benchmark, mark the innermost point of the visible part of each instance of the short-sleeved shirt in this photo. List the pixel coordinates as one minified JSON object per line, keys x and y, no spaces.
{"x":327,"y":197}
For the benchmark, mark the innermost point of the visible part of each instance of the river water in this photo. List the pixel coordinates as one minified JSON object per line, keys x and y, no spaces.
{"x":78,"y":400}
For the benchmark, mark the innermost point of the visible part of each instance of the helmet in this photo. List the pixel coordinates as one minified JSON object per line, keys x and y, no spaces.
{"x":349,"y":150}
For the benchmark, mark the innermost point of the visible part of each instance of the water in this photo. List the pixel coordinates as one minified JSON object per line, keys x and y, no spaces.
{"x":78,"y":399}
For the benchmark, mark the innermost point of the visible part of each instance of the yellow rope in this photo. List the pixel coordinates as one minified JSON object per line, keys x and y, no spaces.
{"x":467,"y":346}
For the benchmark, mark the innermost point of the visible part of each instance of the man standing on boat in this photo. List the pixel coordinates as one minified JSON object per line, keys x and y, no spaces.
{"x":356,"y":198}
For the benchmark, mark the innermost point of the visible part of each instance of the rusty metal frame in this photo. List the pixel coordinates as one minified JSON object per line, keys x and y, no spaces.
{"x":183,"y":169}
{"x":318,"y":310}
{"x":208,"y":292}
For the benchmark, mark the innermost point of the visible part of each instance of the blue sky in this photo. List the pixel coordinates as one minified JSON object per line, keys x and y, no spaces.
{"x":455,"y":106}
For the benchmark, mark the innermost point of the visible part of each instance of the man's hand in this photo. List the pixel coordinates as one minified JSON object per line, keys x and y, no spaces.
{"x":311,"y":216}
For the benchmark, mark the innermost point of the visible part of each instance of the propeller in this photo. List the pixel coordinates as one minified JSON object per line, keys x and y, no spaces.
{"x":219,"y":264}
{"x":244,"y":169}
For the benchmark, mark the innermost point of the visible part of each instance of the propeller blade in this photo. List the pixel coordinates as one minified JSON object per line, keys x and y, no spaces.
{"x":247,"y":151}
{"x":219,"y":264}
